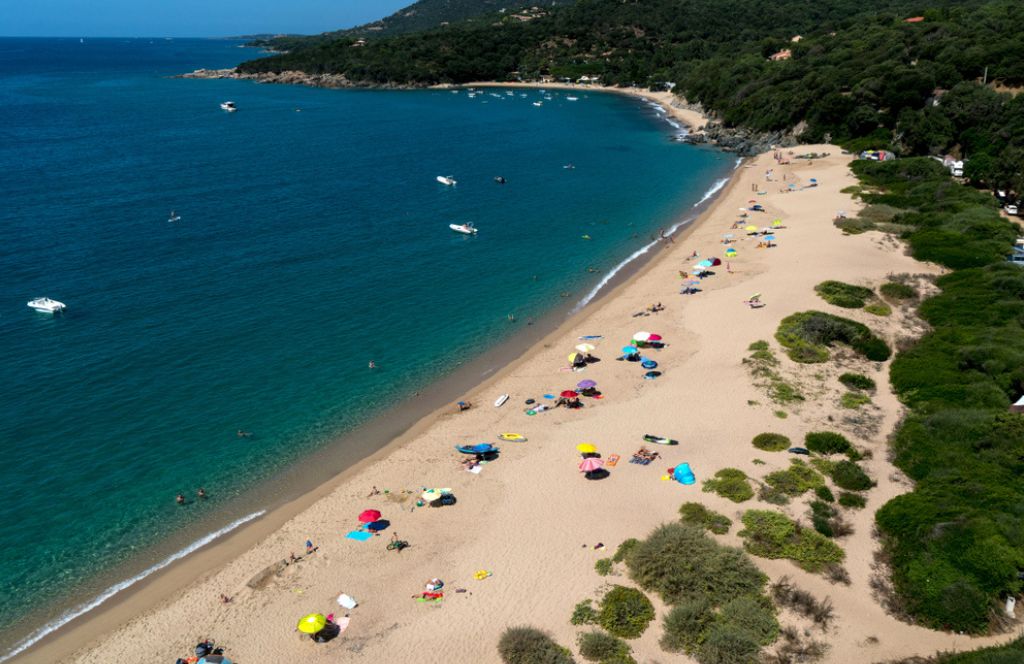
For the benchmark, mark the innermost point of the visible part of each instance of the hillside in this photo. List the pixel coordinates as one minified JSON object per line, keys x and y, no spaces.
{"x":865,"y":79}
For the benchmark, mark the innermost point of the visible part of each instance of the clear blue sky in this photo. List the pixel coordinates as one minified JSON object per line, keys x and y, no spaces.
{"x":184,"y":18}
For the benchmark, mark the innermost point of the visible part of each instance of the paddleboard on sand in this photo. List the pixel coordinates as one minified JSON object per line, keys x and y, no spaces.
{"x":500,"y":401}
{"x":658,"y":440}
{"x":513,"y":437}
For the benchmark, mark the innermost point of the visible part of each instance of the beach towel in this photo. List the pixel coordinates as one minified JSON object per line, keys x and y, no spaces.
{"x":342,"y":624}
{"x":612,"y":460}
{"x":359,"y":535}
{"x":475,"y":470}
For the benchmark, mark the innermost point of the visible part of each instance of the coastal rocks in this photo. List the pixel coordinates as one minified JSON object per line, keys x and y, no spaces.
{"x":744,"y":142}
{"x":291,"y":78}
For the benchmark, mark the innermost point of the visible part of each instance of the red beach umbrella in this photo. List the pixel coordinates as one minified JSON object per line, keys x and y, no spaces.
{"x":654,"y":337}
{"x":590,"y":465}
{"x":369,"y":516}
{"x":569,"y":394}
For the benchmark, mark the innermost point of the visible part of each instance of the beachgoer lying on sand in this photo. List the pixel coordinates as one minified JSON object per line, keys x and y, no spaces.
{"x":373,"y":492}
{"x":224,"y":599}
{"x":464,"y":405}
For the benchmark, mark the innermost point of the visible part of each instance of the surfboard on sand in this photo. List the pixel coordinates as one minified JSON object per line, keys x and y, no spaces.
{"x":500,"y":401}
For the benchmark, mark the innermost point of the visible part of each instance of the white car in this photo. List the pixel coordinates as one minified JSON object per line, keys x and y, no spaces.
{"x":1011,"y":209}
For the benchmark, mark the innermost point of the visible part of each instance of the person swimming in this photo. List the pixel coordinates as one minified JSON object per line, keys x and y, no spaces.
{"x":180,"y":499}
{"x":201,"y":493}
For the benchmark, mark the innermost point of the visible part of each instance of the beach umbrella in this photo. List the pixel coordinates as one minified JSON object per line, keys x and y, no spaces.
{"x":728,"y":236}
{"x":586,"y":448}
{"x":629,"y":350}
{"x":586,"y":384}
{"x":752,"y":229}
{"x":569,"y":394}
{"x":590,"y":465}
{"x":369,"y":516}
{"x":214,"y":659}
{"x":573,"y":357}
{"x":776,"y":223}
{"x":312,"y":623}
{"x":430,"y":495}
{"x":704,"y":263}
{"x":730,"y":252}
{"x":695,"y":283}
{"x":641,"y":336}
{"x":769,"y":238}
{"x":755,"y":297}
{"x":814,"y":179}
{"x":654,"y":337}
{"x":585,"y":348}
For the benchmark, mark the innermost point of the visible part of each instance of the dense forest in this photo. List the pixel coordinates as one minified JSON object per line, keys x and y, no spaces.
{"x":863,"y":79}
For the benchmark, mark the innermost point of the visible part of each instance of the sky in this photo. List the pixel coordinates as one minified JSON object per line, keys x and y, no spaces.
{"x":185,"y":18}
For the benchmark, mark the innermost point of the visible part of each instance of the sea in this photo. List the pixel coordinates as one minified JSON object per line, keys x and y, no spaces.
{"x":312,"y":239}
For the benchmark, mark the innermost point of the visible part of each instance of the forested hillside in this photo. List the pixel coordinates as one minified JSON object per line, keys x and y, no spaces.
{"x":863,"y":78}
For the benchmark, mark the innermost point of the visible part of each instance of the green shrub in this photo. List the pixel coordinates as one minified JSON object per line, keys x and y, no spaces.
{"x":797,"y":479}
{"x":898,"y":291}
{"x":696,"y":514}
{"x":848,"y":475}
{"x":527,"y":645}
{"x":624,"y":549}
{"x":754,"y":615}
{"x":824,"y":493}
{"x":878,"y":309}
{"x":856,"y":381}
{"x":730,"y":483}
{"x":584,"y":614}
{"x":854,"y":400}
{"x":603,"y":567}
{"x":772,"y":535}
{"x":680,"y":563}
{"x":853,"y":500}
{"x":843,"y":295}
{"x":728,"y":644}
{"x":770,"y":494}
{"x":771,"y":442}
{"x":828,"y":442}
{"x":601,"y":647}
{"x":1009,"y":653}
{"x":808,"y":335}
{"x":685,"y":625}
{"x":625,"y":612}
{"x":822,"y":514}
{"x":758,"y":345}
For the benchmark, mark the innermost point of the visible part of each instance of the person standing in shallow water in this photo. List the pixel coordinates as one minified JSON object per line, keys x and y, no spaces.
{"x":180,"y":499}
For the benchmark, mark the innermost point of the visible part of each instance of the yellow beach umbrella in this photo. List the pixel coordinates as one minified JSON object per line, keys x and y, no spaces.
{"x":573,"y":356}
{"x":430,"y":495}
{"x":777,"y":223}
{"x":312,"y":623}
{"x":752,"y":229}
{"x":586,"y":448}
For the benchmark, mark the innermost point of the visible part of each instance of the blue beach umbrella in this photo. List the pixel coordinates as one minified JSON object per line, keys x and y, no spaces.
{"x":769,"y":238}
{"x":629,"y":350}
{"x":705,"y":263}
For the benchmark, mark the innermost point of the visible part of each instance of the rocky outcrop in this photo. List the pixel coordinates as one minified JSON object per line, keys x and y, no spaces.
{"x":293,"y":78}
{"x":744,"y":142}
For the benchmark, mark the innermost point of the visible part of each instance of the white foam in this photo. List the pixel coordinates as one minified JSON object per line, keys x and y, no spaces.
{"x":715,"y":188}
{"x":618,"y":268}
{"x":81,"y":609}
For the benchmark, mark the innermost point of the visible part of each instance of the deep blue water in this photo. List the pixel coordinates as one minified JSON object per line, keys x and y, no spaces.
{"x":310,"y":242}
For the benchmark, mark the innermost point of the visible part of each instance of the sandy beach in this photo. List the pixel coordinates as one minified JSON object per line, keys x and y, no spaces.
{"x":672,"y":104}
{"x":530,"y":518}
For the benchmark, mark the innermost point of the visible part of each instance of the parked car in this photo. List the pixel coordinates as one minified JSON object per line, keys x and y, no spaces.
{"x":1011,"y":209}
{"x":799,"y":450}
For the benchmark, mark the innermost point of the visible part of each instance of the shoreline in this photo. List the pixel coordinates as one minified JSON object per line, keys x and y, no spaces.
{"x":704,"y":342}
{"x":353,"y":452}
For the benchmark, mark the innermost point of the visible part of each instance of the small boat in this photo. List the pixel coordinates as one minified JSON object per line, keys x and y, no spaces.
{"x":466,"y":228}
{"x":229,"y":106}
{"x":538,"y":103}
{"x":45,"y":305}
{"x":174,"y":216}
{"x":447,"y":180}
{"x":658,"y":440}
{"x":500,"y":401}
{"x":571,"y":98}
{"x":499,"y":179}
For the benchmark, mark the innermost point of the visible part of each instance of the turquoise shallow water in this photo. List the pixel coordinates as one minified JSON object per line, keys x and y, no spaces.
{"x":310,"y":242}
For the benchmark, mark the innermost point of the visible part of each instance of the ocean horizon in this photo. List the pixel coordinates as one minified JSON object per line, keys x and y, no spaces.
{"x":313,"y":239}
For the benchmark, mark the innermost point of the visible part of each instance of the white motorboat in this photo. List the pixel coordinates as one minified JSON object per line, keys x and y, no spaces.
{"x":571,"y":98}
{"x":447,"y":180}
{"x":45,"y":305}
{"x":229,"y":106}
{"x":538,"y":103}
{"x":466,"y":229}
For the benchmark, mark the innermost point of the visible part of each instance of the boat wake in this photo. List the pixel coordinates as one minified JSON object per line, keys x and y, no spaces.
{"x":82,"y":609}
